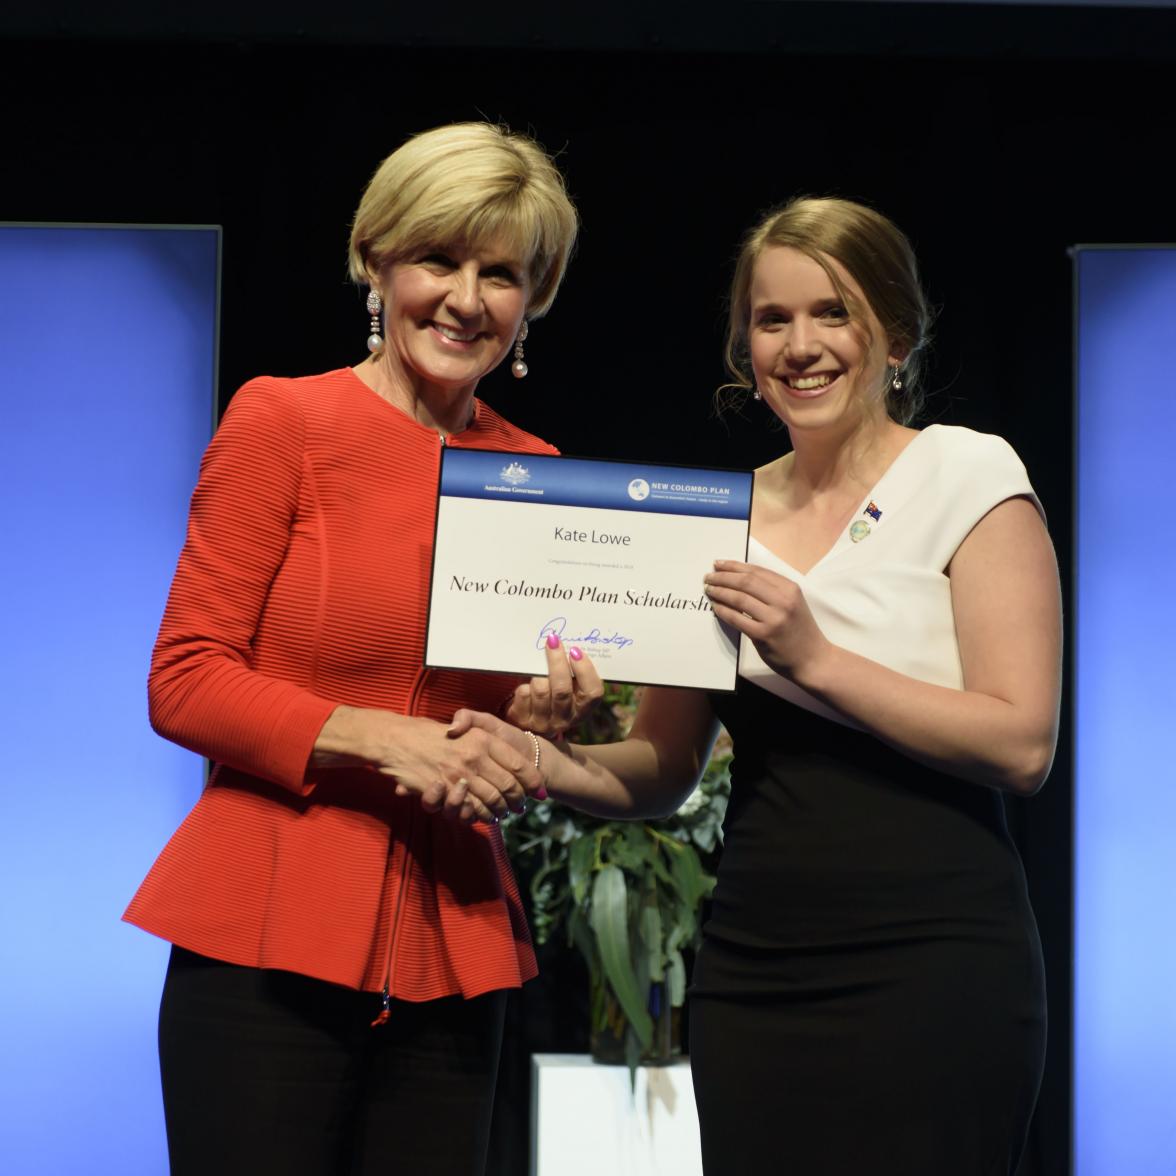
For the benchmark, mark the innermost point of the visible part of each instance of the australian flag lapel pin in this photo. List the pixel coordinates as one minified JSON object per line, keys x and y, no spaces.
{"x":859,"y":529}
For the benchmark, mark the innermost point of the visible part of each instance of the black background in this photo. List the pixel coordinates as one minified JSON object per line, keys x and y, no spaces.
{"x":998,"y":137}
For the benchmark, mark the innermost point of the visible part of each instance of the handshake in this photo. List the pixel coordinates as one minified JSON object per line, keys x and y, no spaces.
{"x":479,"y":767}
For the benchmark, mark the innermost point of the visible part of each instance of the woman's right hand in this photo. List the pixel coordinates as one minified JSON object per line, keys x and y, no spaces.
{"x":470,"y":776}
{"x":466,"y":721}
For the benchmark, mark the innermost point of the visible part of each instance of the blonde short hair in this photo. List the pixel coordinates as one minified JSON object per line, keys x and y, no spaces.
{"x":876,"y":254}
{"x":471,"y":183}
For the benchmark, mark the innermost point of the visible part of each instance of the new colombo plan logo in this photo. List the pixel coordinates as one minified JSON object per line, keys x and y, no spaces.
{"x":638,"y":489}
{"x":515,"y":473}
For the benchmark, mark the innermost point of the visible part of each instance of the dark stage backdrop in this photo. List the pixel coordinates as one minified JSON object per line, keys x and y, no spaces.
{"x":997,"y":146}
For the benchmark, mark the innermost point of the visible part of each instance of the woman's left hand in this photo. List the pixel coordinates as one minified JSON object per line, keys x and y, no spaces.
{"x":771,"y":610}
{"x":549,"y":706}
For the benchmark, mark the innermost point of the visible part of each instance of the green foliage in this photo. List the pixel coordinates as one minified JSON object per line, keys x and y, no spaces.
{"x":609,"y":920}
{"x":628,"y":894}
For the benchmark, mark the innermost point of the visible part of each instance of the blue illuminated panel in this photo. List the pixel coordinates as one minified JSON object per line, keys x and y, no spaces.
{"x":1125,"y":715}
{"x":107,"y":380}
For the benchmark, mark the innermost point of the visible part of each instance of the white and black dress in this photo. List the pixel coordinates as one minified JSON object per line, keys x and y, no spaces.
{"x":870,"y":996}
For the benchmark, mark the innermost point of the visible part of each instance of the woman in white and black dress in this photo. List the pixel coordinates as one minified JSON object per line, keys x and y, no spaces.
{"x":869,"y":996}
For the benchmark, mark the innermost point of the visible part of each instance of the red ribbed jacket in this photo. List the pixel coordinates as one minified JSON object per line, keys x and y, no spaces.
{"x":302,"y":585}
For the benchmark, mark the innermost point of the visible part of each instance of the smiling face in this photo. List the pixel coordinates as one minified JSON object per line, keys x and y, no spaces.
{"x":451,"y":314}
{"x":816,"y":365}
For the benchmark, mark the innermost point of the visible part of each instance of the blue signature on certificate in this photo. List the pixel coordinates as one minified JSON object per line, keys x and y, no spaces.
{"x":558,"y":626}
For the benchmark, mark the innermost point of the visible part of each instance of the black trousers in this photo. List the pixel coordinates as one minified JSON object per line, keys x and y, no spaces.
{"x":267,"y":1071}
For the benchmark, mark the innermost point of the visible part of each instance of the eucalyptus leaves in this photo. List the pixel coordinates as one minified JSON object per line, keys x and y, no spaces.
{"x":628,"y":894}
{"x":636,"y":905}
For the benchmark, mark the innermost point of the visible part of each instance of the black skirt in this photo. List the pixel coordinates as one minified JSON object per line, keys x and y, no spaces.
{"x":869,"y":997}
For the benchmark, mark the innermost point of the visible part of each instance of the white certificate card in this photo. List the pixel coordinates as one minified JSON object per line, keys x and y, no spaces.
{"x":608,"y":555}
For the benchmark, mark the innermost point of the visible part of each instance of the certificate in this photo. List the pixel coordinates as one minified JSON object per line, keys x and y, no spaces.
{"x":610,"y":556}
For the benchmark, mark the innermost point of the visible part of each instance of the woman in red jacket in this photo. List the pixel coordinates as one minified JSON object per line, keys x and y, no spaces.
{"x":344,"y":917}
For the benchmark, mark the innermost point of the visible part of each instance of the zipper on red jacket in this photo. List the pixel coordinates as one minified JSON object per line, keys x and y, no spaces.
{"x":402,"y":886}
{"x":385,"y":1013}
{"x":385,"y":996}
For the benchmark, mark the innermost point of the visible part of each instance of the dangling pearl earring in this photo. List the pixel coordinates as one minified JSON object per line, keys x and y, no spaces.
{"x":895,"y":379}
{"x":756,"y":394}
{"x":375,"y":341}
{"x":519,"y":369}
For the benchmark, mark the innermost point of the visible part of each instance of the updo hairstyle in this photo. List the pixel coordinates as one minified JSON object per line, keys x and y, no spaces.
{"x":878,"y":256}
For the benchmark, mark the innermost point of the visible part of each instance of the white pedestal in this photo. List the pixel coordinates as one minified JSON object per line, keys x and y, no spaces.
{"x":585,"y":1122}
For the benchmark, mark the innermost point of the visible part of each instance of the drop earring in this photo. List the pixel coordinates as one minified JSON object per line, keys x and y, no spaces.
{"x":756,"y":394}
{"x":519,"y":369}
{"x":896,"y":379}
{"x":375,"y":342}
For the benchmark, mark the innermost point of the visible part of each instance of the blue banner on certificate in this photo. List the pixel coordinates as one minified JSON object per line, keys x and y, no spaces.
{"x":610,"y":556}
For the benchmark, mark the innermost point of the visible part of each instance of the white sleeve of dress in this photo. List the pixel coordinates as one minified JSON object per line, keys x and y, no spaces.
{"x":975,"y":472}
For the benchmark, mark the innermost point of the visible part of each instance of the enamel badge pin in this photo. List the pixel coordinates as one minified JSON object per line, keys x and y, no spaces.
{"x":859,"y":528}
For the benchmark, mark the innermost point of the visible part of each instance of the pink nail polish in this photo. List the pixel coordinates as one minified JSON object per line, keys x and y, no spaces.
{"x":542,"y":794}
{"x":576,"y":654}
{"x":552,"y":640}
